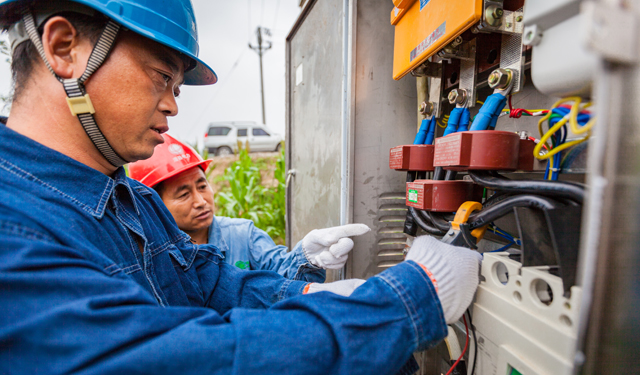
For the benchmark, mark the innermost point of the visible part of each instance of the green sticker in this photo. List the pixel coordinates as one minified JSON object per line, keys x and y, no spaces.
{"x":413,"y":196}
{"x":242,"y":265}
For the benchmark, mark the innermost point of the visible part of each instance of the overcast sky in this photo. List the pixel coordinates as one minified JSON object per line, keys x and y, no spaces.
{"x":225,"y":29}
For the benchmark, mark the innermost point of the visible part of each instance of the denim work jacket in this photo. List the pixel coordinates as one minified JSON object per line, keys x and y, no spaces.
{"x":247,"y":247}
{"x":96,"y":278}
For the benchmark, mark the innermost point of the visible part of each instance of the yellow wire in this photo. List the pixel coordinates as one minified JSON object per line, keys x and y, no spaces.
{"x":573,"y":118}
{"x":546,"y":117}
{"x":555,"y":150}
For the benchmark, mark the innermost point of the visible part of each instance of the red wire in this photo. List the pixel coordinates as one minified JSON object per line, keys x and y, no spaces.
{"x":517,"y":112}
{"x":466,"y":345}
{"x":536,"y":141}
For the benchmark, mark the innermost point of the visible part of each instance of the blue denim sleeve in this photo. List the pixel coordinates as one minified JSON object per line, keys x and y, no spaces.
{"x":266,"y":255}
{"x":63,"y":313}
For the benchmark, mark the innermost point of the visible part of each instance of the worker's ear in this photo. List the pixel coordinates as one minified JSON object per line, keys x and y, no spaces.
{"x":66,"y":52}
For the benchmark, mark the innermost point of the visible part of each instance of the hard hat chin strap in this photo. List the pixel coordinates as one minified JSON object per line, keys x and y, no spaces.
{"x":77,"y":97}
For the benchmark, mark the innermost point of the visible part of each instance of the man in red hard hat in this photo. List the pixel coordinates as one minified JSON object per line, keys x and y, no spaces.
{"x":177,"y":173}
{"x":96,"y":278}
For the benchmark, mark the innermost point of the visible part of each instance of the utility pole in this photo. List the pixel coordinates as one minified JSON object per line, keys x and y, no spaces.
{"x":260,"y":50}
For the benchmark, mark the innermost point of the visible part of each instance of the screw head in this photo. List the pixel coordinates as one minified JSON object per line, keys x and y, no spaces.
{"x":453,"y":96}
{"x":500,"y":79}
{"x":426,"y":108}
{"x":519,"y":19}
{"x":494,"y":78}
{"x":457,"y":96}
{"x":498,"y":13}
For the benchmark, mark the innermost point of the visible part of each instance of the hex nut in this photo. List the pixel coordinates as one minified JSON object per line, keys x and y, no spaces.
{"x":500,"y":79}
{"x":426,"y":108}
{"x":493,"y":15}
{"x":457,"y":96}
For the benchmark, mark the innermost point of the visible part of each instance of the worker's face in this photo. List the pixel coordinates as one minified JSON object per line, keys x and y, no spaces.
{"x":134,"y":93}
{"x":190,"y":199}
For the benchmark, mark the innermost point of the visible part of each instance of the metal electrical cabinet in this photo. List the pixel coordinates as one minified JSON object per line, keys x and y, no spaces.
{"x":561,"y":302}
{"x":340,"y":89}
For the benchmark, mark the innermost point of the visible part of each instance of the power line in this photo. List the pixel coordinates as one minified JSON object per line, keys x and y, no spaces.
{"x":275,"y":18}
{"x":220,"y":88}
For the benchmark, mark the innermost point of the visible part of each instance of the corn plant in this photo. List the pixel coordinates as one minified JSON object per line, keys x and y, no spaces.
{"x":245,"y":197}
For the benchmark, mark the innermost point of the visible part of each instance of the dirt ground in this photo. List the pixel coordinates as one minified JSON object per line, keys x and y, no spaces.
{"x":220,"y":163}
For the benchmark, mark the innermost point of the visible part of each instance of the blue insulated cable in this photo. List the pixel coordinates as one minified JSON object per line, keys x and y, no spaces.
{"x":464,"y":120}
{"x":489,"y":112}
{"x":432,"y":131}
{"x":422,"y":133}
{"x":454,"y":121}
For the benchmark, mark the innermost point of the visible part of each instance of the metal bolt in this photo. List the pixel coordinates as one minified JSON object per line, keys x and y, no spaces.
{"x":457,"y":96}
{"x":519,"y":19}
{"x":493,"y":15}
{"x":426,"y":108}
{"x":500,"y":79}
{"x":508,"y":25}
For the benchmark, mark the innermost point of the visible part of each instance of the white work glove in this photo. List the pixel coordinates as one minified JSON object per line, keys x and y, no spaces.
{"x":329,"y":248}
{"x":342,"y":287}
{"x":454,"y":271}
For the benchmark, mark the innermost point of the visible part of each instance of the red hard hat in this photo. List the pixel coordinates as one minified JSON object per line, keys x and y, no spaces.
{"x":169,"y":159}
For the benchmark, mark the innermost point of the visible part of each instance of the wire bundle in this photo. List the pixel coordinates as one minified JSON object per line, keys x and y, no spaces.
{"x":580,"y":121}
{"x":499,"y":232}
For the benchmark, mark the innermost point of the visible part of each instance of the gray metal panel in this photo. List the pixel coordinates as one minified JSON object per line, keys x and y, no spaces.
{"x":385,"y":117}
{"x":314,"y":125}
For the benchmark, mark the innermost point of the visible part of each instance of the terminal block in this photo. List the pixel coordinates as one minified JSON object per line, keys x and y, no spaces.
{"x":441,"y":196}
{"x":412,"y":158}
{"x":484,"y":150}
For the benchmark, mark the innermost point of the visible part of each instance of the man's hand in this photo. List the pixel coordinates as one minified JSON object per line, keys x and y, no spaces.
{"x":453,"y":270}
{"x":341,"y":287}
{"x":329,"y":248}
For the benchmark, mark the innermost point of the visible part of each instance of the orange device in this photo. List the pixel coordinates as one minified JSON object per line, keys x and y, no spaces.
{"x":423,"y":27}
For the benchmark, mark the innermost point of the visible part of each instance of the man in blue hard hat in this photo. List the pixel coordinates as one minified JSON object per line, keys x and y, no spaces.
{"x":95,"y":277}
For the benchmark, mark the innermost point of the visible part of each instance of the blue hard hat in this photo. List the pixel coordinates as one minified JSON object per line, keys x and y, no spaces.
{"x":169,"y":22}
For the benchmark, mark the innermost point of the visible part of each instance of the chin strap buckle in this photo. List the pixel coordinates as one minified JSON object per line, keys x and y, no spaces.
{"x":80,"y":104}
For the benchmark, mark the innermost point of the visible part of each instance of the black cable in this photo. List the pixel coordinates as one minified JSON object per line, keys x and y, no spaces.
{"x":436,"y":219}
{"x":450,"y":175}
{"x":427,"y":227}
{"x":439,"y":221}
{"x":498,"y":196}
{"x":438,"y":174}
{"x":495,"y":181}
{"x":475,"y":343}
{"x":506,"y":206}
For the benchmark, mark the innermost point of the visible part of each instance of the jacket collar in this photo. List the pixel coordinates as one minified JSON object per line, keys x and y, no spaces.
{"x":215,"y":237}
{"x":72,"y":180}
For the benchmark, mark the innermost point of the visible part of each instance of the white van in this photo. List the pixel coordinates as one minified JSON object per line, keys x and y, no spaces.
{"x":222,"y":138}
